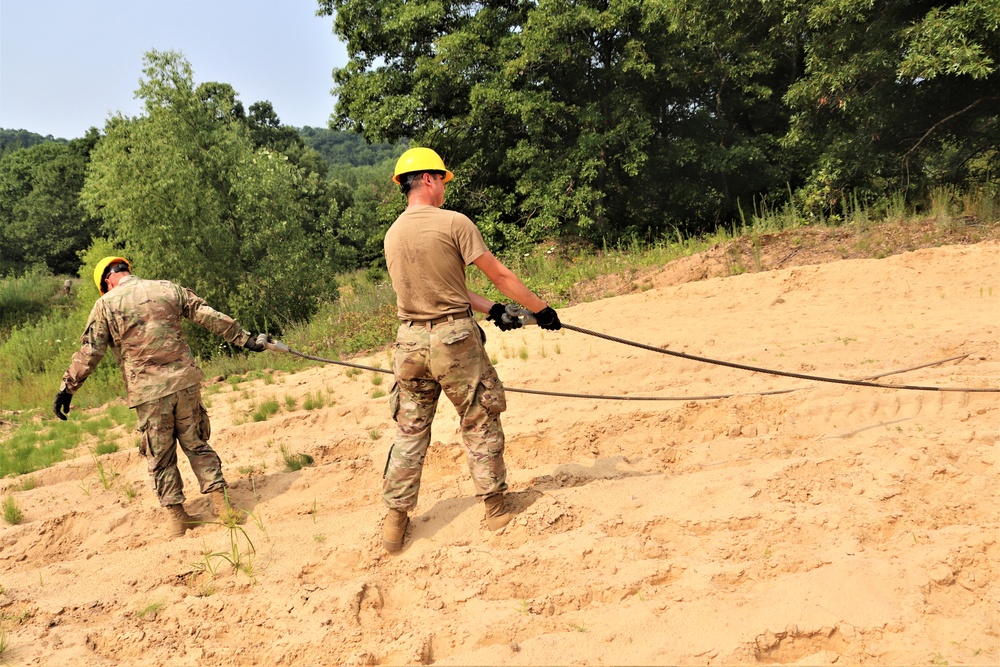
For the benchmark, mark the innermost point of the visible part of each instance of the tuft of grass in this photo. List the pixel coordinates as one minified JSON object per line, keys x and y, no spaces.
{"x":151,"y":610}
{"x":29,"y":483}
{"x":106,"y":475}
{"x":377,"y":379}
{"x":12,"y":514}
{"x":129,"y":491}
{"x":374,"y":433}
{"x":313,"y":401}
{"x":241,"y":553}
{"x":296,"y":461}
{"x":207,"y":589}
{"x":268,"y":408}
{"x":106,"y":448}
{"x":377,"y":393}
{"x":290,"y":403}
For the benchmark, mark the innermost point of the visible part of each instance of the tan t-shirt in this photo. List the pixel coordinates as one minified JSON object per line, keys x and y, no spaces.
{"x":427,"y":250}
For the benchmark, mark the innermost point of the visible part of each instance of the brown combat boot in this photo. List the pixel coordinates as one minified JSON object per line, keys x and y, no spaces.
{"x":497,"y":514}
{"x":224,"y":508}
{"x":393,"y":528}
{"x":180,"y":521}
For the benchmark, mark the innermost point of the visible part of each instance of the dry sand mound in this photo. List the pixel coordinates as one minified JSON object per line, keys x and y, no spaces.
{"x":832,"y":524}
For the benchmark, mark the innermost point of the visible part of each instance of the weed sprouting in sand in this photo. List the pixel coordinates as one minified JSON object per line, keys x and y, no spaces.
{"x":296,"y":461}
{"x":151,"y":610}
{"x":241,"y":552}
{"x":12,"y":514}
{"x":314,"y":401}
{"x":267,"y":409}
{"x":106,"y":475}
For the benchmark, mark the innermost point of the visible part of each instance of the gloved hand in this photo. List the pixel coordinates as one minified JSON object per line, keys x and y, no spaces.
{"x":497,"y":311}
{"x":253,"y":345}
{"x":61,"y":406}
{"x":548,"y":319}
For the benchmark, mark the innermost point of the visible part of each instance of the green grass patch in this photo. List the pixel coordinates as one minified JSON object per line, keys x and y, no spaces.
{"x":12,"y":514}
{"x":313,"y":401}
{"x":122,"y":415}
{"x":102,"y":448}
{"x":97,"y":426}
{"x":267,"y":409}
{"x":295,"y":461}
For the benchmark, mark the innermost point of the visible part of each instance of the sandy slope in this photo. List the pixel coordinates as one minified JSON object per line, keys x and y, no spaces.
{"x":830,"y":524}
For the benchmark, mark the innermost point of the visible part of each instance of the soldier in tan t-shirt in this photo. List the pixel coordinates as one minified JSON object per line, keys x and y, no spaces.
{"x":140,"y":320}
{"x":439,"y":345}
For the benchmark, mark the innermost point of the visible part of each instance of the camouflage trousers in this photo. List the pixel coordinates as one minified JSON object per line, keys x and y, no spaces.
{"x":429,"y":359}
{"x":179,"y":417}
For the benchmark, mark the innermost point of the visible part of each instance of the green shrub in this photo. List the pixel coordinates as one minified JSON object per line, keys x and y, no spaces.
{"x":11,"y":512}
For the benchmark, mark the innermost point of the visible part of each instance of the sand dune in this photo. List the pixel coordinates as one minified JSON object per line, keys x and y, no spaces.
{"x":831,"y":524}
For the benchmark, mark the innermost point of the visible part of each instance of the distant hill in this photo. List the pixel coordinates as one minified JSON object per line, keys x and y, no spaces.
{"x":347,"y":148}
{"x":12,"y":140}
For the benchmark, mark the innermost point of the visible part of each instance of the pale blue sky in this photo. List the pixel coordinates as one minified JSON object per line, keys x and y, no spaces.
{"x":67,"y":65}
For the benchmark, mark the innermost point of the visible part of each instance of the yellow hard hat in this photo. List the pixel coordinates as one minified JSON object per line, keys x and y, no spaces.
{"x":420,"y":159}
{"x":102,"y":266}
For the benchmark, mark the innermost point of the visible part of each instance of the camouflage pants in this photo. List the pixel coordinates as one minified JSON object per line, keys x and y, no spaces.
{"x":449,"y":357}
{"x":182,"y":418}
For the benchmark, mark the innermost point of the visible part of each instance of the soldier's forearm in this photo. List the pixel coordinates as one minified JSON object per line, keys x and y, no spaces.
{"x":220,"y":324}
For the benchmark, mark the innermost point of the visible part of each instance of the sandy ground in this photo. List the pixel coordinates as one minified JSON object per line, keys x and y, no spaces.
{"x":831,"y":524}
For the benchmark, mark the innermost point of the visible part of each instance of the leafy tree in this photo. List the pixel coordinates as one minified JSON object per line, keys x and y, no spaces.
{"x":185,"y":192}
{"x":611,"y":118}
{"x":41,"y":219}
{"x":598,"y":118}
{"x":895,"y":94}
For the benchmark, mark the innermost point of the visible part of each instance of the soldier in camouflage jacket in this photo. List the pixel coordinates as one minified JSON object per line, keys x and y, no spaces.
{"x":140,"y":320}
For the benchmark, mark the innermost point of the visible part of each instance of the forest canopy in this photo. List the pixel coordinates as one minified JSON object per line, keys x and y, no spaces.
{"x":618,"y":118}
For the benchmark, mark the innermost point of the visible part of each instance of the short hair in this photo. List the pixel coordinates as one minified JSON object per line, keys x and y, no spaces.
{"x":406,"y":180}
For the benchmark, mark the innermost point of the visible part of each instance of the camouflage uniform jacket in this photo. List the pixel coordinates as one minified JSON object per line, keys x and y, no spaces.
{"x":141,"y":321}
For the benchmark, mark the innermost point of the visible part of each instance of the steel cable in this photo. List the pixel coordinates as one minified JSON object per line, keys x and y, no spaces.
{"x":768,"y":371}
{"x":538,"y":392}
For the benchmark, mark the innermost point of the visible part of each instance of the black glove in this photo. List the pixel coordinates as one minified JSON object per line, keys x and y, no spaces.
{"x":61,"y":406}
{"x":497,"y":312}
{"x":253,"y":344}
{"x":548,"y":319}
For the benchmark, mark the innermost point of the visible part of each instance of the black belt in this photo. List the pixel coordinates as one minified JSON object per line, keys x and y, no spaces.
{"x":440,"y":320}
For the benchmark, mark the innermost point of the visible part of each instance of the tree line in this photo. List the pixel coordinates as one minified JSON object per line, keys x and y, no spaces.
{"x":618,"y":118}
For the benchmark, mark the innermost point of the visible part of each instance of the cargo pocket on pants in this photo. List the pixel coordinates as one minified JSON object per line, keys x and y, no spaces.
{"x":205,"y":427}
{"x":394,"y":401}
{"x":143,"y":430}
{"x":491,"y":395}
